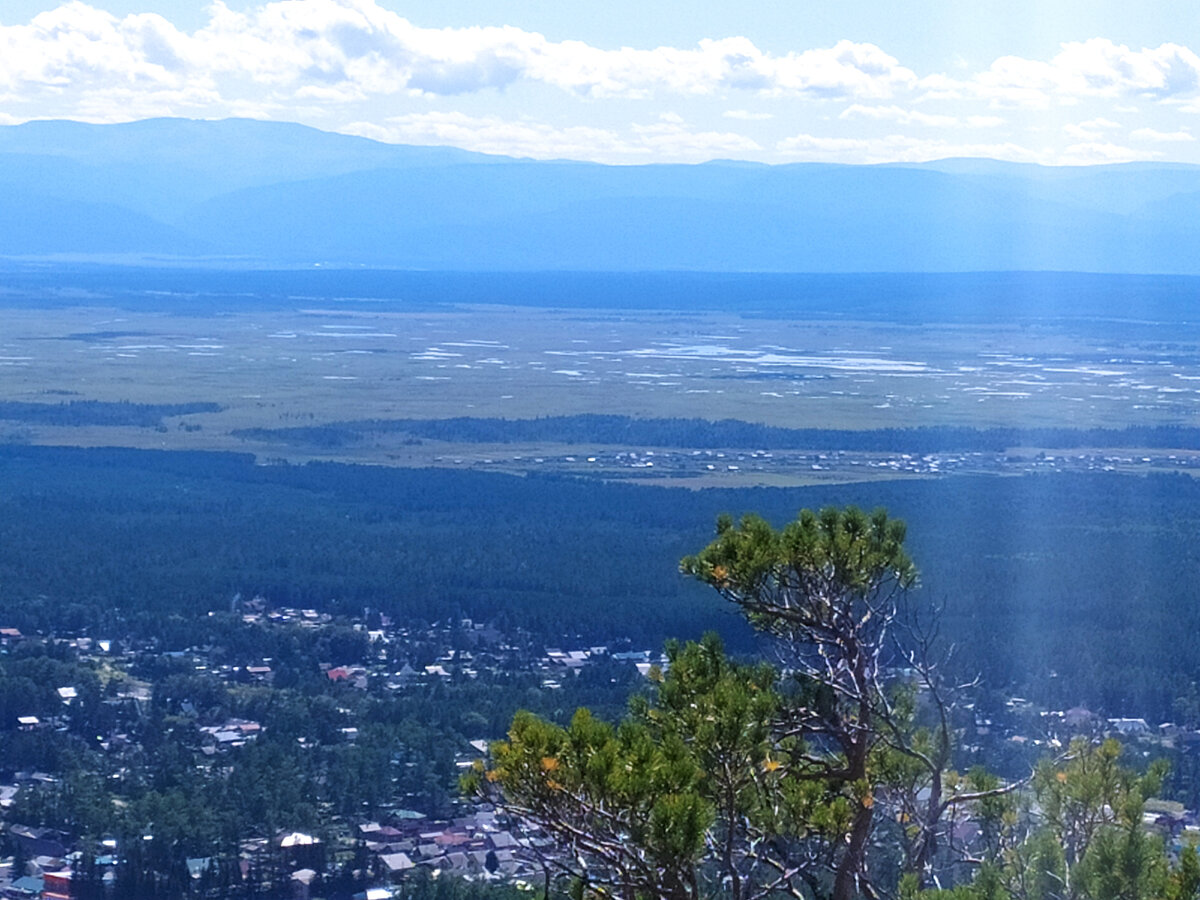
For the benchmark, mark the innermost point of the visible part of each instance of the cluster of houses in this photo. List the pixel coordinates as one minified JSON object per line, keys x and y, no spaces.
{"x":229,"y":735}
{"x":477,"y":846}
{"x":46,"y":870}
{"x":258,"y":610}
{"x":479,"y":843}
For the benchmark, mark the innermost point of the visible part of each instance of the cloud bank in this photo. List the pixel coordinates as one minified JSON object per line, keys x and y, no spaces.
{"x":349,"y":49}
{"x":353,"y":65}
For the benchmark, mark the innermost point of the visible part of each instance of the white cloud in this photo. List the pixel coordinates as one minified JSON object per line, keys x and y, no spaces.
{"x":1094,"y":68}
{"x":344,"y":50}
{"x":940,"y":87}
{"x":674,"y":141}
{"x":902,"y":116}
{"x":75,"y":43}
{"x":897,"y":148}
{"x":903,"y":148}
{"x":1090,"y":131}
{"x":329,"y":62}
{"x":491,"y":134}
{"x":1097,"y":68}
{"x":1079,"y":132}
{"x":746,"y":115}
{"x":539,"y":140}
{"x":1098,"y":152}
{"x":898,"y":115}
{"x":1161,"y":137}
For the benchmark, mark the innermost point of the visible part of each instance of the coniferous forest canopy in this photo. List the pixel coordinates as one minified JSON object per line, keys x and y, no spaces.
{"x":258,"y":634}
{"x":1068,"y":588}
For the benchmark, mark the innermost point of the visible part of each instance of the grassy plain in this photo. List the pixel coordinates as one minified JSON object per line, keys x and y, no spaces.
{"x":320,"y":362}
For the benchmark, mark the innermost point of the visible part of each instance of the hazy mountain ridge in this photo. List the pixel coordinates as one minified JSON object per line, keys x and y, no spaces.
{"x":286,"y":194}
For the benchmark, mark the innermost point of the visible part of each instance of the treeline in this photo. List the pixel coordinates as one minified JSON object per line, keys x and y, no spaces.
{"x":1069,"y":588}
{"x":724,"y":433}
{"x":1098,"y":302}
{"x":99,"y":412}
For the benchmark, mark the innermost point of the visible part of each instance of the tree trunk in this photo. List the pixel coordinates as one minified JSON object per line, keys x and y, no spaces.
{"x":853,"y":863}
{"x":845,"y":883}
{"x":928,"y":842}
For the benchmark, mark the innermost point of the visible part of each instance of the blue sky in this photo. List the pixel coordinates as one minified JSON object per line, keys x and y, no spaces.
{"x":630,"y":82}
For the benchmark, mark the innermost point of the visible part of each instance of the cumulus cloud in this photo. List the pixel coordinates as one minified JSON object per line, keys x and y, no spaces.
{"x":1091,"y":130}
{"x":896,"y":148}
{"x":1161,"y":137}
{"x":75,"y":44}
{"x":902,"y":116}
{"x":1092,"y":68}
{"x":329,"y":62}
{"x":670,"y":137}
{"x":898,"y":115}
{"x":746,"y":115}
{"x":904,"y":148}
{"x":674,"y":140}
{"x":492,"y":134}
{"x":1097,"y":152}
{"x":344,"y":50}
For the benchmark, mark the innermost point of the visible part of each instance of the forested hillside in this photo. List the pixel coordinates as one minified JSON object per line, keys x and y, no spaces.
{"x":1071,"y":587}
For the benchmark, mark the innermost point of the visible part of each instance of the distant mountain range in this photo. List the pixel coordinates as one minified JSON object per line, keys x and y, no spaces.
{"x":260,"y":193}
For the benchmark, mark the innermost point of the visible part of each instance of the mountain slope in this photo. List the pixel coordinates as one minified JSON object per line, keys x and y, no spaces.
{"x":283,"y":194}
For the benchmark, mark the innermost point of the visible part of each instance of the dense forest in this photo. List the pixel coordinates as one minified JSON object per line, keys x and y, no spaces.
{"x":1070,"y":588}
{"x":587,"y":429}
{"x":1086,"y":300}
{"x":99,"y":412}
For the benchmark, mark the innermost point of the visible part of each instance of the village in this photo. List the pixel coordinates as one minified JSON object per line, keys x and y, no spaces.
{"x":746,"y":465}
{"x":475,"y":842}
{"x":405,"y":837}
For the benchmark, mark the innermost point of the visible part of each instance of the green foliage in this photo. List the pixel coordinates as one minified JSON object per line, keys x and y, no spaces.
{"x":1123,"y":863}
{"x":625,"y":794}
{"x":757,"y":774}
{"x":818,"y":568}
{"x":1090,"y":790}
{"x":1184,"y":882}
{"x":764,"y":772}
{"x":694,"y":766}
{"x":828,"y":585}
{"x":1079,"y":835}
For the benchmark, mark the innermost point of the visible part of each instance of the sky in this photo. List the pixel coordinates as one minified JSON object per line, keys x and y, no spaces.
{"x":1055,"y":82}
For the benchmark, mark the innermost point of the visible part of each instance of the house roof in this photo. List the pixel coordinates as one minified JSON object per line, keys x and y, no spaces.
{"x":298,"y":839}
{"x":396,"y":862}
